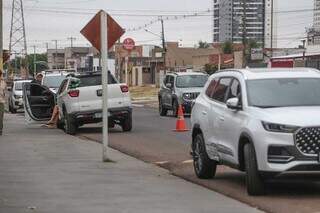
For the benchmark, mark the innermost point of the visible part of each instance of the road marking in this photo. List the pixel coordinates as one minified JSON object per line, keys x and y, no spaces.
{"x":187,"y":161}
{"x":138,"y":105}
{"x":161,"y":162}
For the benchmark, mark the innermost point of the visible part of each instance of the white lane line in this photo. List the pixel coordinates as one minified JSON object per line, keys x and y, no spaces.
{"x":138,"y":105}
{"x":187,"y":162}
{"x":161,"y":162}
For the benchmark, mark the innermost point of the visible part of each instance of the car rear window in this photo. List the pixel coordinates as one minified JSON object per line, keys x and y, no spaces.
{"x":94,"y":80}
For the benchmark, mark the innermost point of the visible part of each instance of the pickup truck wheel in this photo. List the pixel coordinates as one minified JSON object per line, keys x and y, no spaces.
{"x":204,"y":167}
{"x":255,"y":183}
{"x":69,"y":126}
{"x":175,"y":107}
{"x":163,"y":111}
{"x":126,"y":124}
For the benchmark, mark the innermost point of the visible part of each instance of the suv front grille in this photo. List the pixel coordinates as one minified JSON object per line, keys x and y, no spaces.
{"x":308,"y":140}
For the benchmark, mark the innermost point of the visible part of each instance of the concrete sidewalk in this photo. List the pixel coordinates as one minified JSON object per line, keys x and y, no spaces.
{"x":47,"y":171}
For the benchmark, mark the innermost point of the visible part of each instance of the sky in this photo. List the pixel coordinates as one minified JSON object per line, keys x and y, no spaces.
{"x":186,"y":21}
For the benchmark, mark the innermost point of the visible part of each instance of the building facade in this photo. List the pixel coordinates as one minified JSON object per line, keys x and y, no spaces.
{"x":316,"y":15}
{"x":236,"y":20}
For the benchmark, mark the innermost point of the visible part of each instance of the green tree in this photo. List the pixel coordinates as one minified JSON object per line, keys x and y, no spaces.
{"x":16,"y":63}
{"x":203,"y":44}
{"x":39,"y":57}
{"x":227,"y":47}
{"x":210,"y":68}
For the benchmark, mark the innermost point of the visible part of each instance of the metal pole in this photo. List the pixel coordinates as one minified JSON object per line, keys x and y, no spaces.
{"x":163,"y":45}
{"x":1,"y":36}
{"x":56,"y":53}
{"x":34,"y":61}
{"x":219,"y":63}
{"x":126,"y":69}
{"x":104,"y":62}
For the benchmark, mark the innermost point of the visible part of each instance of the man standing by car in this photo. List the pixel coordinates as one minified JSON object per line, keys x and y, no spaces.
{"x":3,"y":87}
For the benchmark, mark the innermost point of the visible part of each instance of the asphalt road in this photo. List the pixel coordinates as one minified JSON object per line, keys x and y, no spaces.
{"x":152,"y":140}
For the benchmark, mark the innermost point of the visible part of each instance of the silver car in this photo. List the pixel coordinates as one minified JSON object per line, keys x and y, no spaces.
{"x":15,"y":98}
{"x":180,"y":89}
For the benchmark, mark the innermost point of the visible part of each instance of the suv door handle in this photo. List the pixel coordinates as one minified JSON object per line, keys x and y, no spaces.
{"x":204,"y":113}
{"x":221,"y":118}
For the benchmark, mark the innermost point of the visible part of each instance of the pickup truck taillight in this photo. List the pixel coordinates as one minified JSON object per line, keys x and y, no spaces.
{"x":74,"y":93}
{"x":124,"y":88}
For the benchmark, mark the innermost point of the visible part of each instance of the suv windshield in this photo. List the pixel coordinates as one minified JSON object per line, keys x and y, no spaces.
{"x":287,"y":92}
{"x":186,"y":81}
{"x":53,"y":81}
{"x":18,"y":86}
{"x":94,"y":80}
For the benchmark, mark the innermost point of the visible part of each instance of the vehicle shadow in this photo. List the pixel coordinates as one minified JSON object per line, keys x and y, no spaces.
{"x":289,"y":185}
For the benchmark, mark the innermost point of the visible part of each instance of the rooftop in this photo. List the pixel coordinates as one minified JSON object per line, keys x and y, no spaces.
{"x":269,"y":73}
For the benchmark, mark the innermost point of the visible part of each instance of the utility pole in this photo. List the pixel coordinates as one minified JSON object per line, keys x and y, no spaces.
{"x":71,"y":40}
{"x":163,"y":45}
{"x":18,"y":41}
{"x":244,"y":32}
{"x":1,"y":36}
{"x":56,"y":53}
{"x":34,"y":60}
{"x":272,"y":20}
{"x":47,"y":46}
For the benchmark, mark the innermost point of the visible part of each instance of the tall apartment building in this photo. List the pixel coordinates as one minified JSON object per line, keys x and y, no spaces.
{"x":235,"y":19}
{"x":316,"y":15}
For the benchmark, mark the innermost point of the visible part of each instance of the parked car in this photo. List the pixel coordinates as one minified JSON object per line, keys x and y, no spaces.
{"x":80,"y":102}
{"x":53,"y":79}
{"x":15,"y":100}
{"x":180,"y":88}
{"x":265,"y":122}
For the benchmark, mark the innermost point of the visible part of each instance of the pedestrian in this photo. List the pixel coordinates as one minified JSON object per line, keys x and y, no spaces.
{"x":38,"y":79}
{"x":3,"y":87}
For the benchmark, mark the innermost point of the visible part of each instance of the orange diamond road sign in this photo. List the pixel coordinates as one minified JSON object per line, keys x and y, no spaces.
{"x":92,"y":31}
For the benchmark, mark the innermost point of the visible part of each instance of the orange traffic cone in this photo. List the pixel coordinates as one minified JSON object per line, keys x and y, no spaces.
{"x":181,"y":123}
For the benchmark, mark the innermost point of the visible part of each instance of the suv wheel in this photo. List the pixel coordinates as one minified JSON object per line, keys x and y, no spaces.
{"x":175,"y":108}
{"x":69,"y":126}
{"x":60,"y":124}
{"x":127,"y":123}
{"x":204,"y":167}
{"x":12,"y":110}
{"x":163,"y":111}
{"x":255,"y":183}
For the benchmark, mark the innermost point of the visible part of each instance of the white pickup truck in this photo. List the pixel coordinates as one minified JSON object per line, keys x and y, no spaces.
{"x":80,"y":102}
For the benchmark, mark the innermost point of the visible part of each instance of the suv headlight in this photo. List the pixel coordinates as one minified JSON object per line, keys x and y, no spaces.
{"x":272,"y":127}
{"x":186,"y":96}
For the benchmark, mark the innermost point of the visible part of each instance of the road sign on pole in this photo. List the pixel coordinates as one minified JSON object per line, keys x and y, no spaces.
{"x":102,"y":31}
{"x":129,"y":44}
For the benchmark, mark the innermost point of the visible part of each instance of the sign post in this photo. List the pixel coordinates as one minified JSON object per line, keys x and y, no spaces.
{"x":102,"y":31}
{"x":128,"y":44}
{"x":104,"y":65}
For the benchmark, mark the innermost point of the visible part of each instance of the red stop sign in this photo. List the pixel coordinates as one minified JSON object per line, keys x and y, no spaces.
{"x":129,"y":44}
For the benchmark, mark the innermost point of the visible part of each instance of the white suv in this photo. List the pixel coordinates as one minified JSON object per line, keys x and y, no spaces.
{"x":262,"y":121}
{"x":80,"y":102}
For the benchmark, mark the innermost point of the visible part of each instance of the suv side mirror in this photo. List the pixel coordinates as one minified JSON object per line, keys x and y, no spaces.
{"x":169,"y":85}
{"x":234,"y":103}
{"x":74,"y":83}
